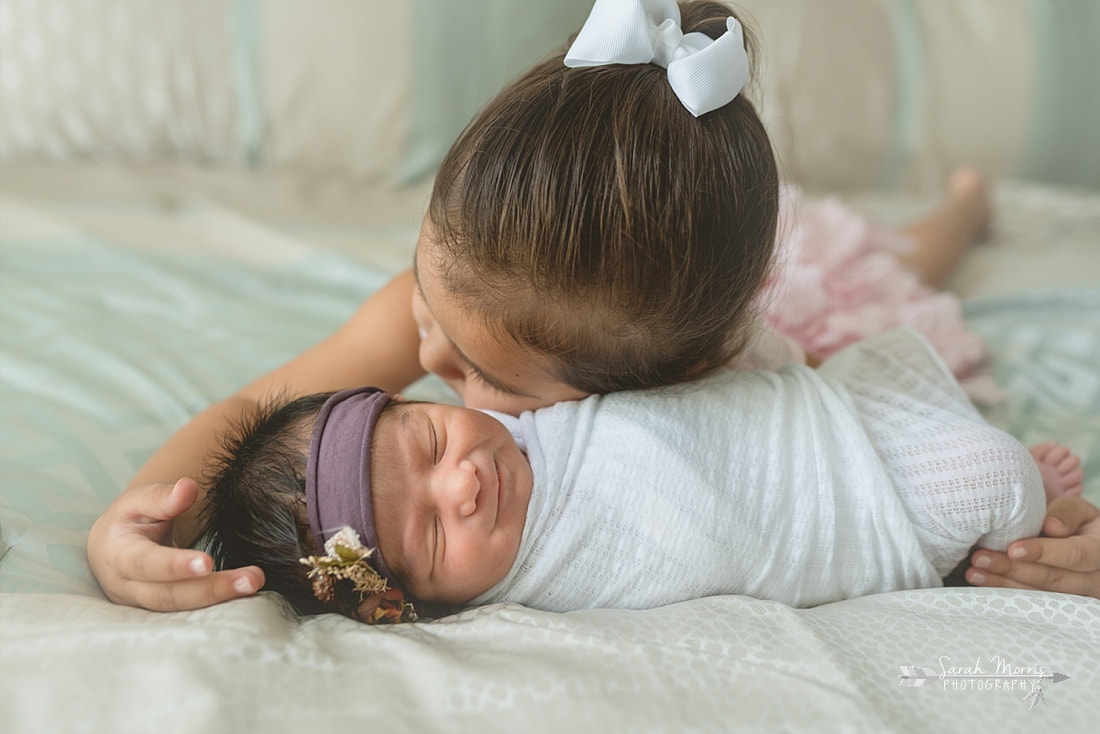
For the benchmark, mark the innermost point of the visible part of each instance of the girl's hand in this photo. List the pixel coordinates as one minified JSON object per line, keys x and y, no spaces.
{"x":1066,"y":560}
{"x":128,"y":560}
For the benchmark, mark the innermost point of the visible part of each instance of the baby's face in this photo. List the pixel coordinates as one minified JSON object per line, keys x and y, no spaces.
{"x":450,"y":490}
{"x":486,"y":372}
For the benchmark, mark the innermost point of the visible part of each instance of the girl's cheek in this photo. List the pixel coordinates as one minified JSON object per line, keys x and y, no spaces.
{"x":421,"y":324}
{"x":482,"y":397}
{"x":421,"y":315}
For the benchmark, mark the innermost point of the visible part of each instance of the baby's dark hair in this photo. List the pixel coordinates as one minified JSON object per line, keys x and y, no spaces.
{"x":587,"y":215}
{"x":255,"y":512}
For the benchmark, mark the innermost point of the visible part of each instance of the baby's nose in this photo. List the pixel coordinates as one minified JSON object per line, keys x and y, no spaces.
{"x":463,"y":488}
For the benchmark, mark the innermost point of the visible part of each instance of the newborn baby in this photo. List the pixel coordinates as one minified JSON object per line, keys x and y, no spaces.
{"x":872,"y":473}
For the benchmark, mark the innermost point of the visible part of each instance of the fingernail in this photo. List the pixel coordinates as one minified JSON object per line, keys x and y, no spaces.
{"x":1018,"y":552}
{"x":982,"y":561}
{"x":197,"y":566}
{"x":243,"y":585}
{"x":977,"y":578}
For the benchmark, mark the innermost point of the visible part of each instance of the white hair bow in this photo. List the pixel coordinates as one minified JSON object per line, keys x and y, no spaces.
{"x":704,"y":73}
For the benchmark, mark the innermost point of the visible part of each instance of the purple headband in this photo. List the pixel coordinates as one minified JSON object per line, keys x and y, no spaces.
{"x":338,"y":471}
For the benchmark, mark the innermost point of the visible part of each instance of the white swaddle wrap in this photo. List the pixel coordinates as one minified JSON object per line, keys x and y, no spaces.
{"x":871,"y":474}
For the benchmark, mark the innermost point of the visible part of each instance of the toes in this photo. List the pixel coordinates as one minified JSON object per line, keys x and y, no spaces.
{"x":967,"y":180}
{"x":1060,"y":467}
{"x":1069,"y":463}
{"x":1039,"y":451}
{"x":1056,"y":455}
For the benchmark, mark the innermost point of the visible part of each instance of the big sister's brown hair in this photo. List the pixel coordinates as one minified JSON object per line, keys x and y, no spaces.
{"x":586,"y":215}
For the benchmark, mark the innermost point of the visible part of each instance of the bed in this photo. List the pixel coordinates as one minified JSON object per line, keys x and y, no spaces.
{"x":125,"y":312}
{"x":135,"y":289}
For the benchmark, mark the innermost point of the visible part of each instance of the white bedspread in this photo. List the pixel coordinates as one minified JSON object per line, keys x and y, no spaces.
{"x":120,"y":317}
{"x":720,"y":664}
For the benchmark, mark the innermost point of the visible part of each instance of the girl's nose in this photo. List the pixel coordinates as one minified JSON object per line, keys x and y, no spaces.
{"x":437,"y":356}
{"x":462,"y":488}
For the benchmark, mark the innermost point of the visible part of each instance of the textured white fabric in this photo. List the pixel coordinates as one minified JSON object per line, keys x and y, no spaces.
{"x":72,"y":663}
{"x":960,"y":480}
{"x":871,"y":474}
{"x":704,"y":73}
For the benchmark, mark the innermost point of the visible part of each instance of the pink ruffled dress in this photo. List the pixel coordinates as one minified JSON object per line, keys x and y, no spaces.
{"x":837,"y":279}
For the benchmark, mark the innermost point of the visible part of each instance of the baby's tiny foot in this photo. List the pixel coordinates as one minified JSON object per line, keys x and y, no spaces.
{"x":969,"y":190}
{"x":1060,"y":468}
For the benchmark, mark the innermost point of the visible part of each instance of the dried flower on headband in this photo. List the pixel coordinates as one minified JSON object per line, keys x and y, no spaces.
{"x":346,"y":560}
{"x":392,"y":609}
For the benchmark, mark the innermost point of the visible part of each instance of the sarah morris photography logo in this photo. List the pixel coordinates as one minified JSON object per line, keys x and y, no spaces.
{"x":997,"y":674}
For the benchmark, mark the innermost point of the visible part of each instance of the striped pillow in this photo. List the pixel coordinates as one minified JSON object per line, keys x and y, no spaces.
{"x":856,"y":93}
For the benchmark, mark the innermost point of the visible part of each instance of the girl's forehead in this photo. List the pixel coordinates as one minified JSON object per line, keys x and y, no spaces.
{"x":496,"y":358}
{"x":429,"y":251}
{"x":511,"y":377}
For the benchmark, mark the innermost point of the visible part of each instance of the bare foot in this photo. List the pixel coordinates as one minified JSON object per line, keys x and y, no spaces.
{"x":942,"y":238}
{"x":968,"y":192}
{"x":1060,"y":468}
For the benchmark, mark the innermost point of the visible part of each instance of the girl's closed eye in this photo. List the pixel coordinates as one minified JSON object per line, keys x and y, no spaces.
{"x":476,"y":376}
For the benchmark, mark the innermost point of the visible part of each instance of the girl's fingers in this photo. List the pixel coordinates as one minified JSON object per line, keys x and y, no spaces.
{"x":182,"y":495}
{"x":147,"y":561}
{"x":154,"y":503}
{"x":992,"y":581}
{"x":1077,"y":553}
{"x":1066,"y":515}
{"x":197,"y":593}
{"x":1069,"y":565}
{"x":997,"y":570}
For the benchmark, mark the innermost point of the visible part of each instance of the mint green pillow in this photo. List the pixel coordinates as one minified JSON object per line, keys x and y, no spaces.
{"x":465,"y":52}
{"x":1063,"y":143}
